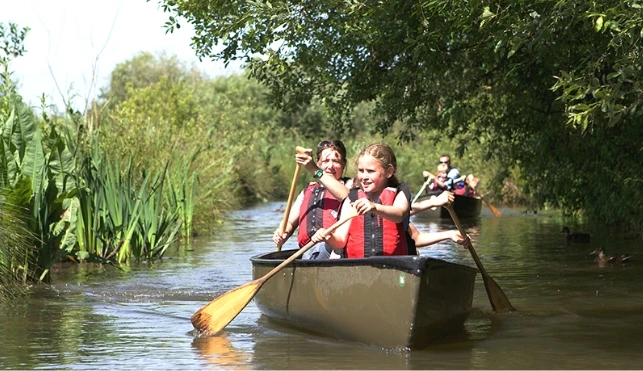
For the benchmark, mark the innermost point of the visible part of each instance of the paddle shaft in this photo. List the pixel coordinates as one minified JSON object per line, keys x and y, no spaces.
{"x":497,"y":298}
{"x":306,"y":247}
{"x":495,"y":211}
{"x":420,"y":192}
{"x":291,"y":197}
{"x":456,"y":220}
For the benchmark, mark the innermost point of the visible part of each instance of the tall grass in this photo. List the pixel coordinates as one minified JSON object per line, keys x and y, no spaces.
{"x":123,"y":214}
{"x":16,"y":250}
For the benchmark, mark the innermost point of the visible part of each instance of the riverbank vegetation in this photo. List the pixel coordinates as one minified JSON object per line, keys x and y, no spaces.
{"x":166,"y":150}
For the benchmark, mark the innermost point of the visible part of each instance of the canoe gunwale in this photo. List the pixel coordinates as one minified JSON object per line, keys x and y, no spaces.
{"x":414,"y":265}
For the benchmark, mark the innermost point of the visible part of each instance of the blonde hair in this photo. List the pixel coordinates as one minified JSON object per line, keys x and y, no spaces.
{"x":384,"y":154}
{"x":443,"y":167}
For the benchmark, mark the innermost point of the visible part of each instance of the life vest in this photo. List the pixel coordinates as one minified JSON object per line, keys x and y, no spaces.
{"x":319,"y":209}
{"x":372,"y":235}
{"x":435,"y":187}
{"x":462,"y":189}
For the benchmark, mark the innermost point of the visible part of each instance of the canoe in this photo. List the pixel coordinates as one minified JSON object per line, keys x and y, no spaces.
{"x":464,"y":207}
{"x":391,"y":302}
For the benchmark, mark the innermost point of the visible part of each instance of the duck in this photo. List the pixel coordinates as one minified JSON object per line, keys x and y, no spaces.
{"x":576,"y":237}
{"x":602,"y":259}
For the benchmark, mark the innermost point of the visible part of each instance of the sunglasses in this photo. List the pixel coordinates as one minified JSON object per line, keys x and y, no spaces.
{"x":444,"y":162}
{"x":331,"y":144}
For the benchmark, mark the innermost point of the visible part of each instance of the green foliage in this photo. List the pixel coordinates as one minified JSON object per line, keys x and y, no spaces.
{"x":16,"y":259}
{"x":538,"y":86}
{"x":144,"y":70}
{"x":78,"y":205}
{"x":219,"y":137}
{"x":12,"y":40}
{"x":122,"y":215}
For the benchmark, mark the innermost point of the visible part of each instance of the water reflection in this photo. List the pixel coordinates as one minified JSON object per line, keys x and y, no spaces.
{"x":572,"y":314}
{"x":219,"y":351}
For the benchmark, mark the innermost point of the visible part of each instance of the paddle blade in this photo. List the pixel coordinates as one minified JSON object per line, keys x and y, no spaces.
{"x":499,"y":301}
{"x":217,"y":314}
{"x":495,"y":211}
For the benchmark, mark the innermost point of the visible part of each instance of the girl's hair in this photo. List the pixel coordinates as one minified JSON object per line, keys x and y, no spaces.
{"x":384,"y":154}
{"x":336,"y":145}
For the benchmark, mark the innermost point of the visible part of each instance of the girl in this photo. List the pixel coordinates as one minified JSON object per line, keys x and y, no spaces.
{"x":318,"y":204}
{"x":383,"y":210}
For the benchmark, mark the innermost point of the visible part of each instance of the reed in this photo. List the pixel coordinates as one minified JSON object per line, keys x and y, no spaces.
{"x":16,"y":257}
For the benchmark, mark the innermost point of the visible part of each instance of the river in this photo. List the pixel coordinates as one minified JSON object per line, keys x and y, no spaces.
{"x":572,"y":313}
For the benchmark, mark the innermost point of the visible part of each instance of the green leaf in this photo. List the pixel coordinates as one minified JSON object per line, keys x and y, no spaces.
{"x":598,"y":24}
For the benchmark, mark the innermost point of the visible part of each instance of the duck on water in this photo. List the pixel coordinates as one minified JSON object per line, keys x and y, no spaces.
{"x":603,"y":259}
{"x":576,"y":237}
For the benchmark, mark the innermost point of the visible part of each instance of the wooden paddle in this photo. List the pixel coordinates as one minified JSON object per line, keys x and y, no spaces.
{"x":217,"y":314}
{"x":498,"y":299}
{"x":291,"y":197}
{"x":495,"y":211}
{"x":420,"y":191}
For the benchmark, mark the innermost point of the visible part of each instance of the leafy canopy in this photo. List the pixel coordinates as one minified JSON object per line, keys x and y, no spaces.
{"x":552,"y":88}
{"x":422,"y":60}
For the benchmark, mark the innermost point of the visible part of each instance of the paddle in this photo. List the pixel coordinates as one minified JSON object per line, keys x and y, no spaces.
{"x":420,"y":191}
{"x":495,"y":211}
{"x":216,"y":315}
{"x":291,"y":197}
{"x":497,"y":298}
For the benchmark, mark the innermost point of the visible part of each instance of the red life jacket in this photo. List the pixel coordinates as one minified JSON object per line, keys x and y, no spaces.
{"x":462,"y":189}
{"x":372,"y":235}
{"x":435,"y":187}
{"x":319,"y":209}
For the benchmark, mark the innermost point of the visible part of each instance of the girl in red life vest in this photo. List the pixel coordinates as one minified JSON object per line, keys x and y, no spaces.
{"x":383,"y":209}
{"x":439,"y":179}
{"x":318,"y":205}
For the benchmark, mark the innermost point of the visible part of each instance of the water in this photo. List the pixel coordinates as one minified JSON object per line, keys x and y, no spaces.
{"x":572,"y":314}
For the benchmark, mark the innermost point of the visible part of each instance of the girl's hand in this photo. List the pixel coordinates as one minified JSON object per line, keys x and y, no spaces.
{"x":457,"y":238}
{"x":320,"y":236}
{"x":278,"y":238}
{"x":305,"y":159}
{"x":444,"y":198}
{"x":364,"y":205}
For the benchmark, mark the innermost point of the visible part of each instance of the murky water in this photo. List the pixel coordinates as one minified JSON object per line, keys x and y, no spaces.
{"x":572,"y":314}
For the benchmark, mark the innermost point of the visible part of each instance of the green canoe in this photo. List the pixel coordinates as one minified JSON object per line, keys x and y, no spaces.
{"x":392,"y":302}
{"x":465,"y":207}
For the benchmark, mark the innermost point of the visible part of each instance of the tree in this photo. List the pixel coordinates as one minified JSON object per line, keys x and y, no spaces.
{"x":144,"y":70}
{"x":545,"y":84}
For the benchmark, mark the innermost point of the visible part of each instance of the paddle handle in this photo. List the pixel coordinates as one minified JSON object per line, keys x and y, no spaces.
{"x":291,"y":197}
{"x":420,"y":192}
{"x":351,"y":214}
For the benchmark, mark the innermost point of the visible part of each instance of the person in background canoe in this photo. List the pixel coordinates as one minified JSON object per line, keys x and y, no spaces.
{"x":383,"y":209}
{"x":439,"y":179}
{"x":318,"y":205}
{"x":452,"y":173}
